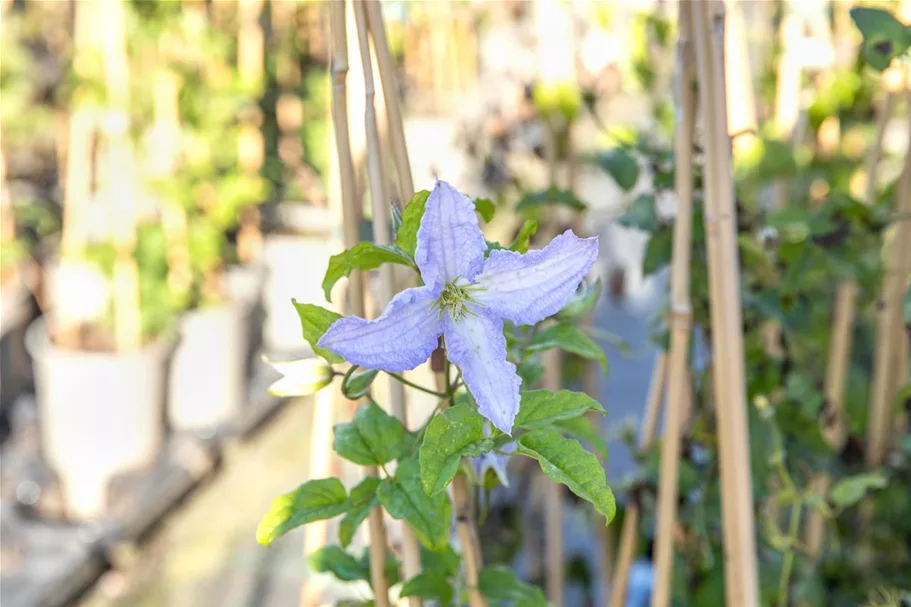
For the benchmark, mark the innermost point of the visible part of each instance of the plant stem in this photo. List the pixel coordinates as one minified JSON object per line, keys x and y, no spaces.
{"x":787,"y":563}
{"x":417,"y":387}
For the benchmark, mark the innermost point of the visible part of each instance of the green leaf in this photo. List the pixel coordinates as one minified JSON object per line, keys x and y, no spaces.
{"x":334,"y":560}
{"x":530,"y":371}
{"x":584,"y":429}
{"x":432,"y":585}
{"x":485,"y":208}
{"x":541,"y":408}
{"x":314,"y":322}
{"x":363,"y":256}
{"x":849,"y":491}
{"x":501,"y":584}
{"x":885,"y":37}
{"x":657,"y":252}
{"x":621,"y":165}
{"x":372,"y":438}
{"x":407,"y":236}
{"x":641,"y":214}
{"x":315,"y":500}
{"x":581,"y":303}
{"x":445,"y":560}
{"x":566,"y":461}
{"x":571,"y":339}
{"x":361,"y":501}
{"x":452,"y":434}
{"x":520,"y":244}
{"x":531,"y":202}
{"x":403,"y":497}
{"x":357,"y":382}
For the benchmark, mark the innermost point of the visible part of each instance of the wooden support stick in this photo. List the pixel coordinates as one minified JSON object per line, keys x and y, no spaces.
{"x":382,"y":234}
{"x":631,"y":517}
{"x":351,"y":216}
{"x":389,"y":83}
{"x":898,"y":267}
{"x":251,"y":148}
{"x":680,"y":319}
{"x":738,"y":523}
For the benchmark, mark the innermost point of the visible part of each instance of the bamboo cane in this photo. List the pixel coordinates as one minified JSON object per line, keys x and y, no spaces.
{"x":631,"y":517}
{"x":898,"y":267}
{"x":738,"y":77}
{"x":382,"y":235}
{"x":681,"y":320}
{"x":351,"y":216}
{"x":389,"y":83}
{"x":251,"y":150}
{"x":727,"y":338}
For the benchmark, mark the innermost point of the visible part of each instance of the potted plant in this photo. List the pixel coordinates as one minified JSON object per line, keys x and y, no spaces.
{"x":101,"y":353}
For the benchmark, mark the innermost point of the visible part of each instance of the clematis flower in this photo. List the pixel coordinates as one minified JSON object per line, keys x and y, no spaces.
{"x":466,"y":298}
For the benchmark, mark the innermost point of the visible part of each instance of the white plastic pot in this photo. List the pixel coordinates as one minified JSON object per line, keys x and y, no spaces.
{"x":295,"y":265}
{"x":100,"y":414}
{"x":207,"y":384}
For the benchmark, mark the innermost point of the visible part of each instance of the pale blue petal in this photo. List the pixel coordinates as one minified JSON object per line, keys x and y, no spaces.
{"x":492,"y":461}
{"x":528,"y":288}
{"x":450,"y":243}
{"x":400,"y":339}
{"x":476,"y":345}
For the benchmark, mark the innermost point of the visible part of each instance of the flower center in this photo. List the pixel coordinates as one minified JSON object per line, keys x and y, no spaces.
{"x":455,"y":298}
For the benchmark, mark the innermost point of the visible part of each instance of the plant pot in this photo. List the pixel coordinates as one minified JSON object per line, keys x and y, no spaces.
{"x":295,"y":265}
{"x":17,"y":310}
{"x":207,"y":384}
{"x":100,"y":414}
{"x":244,"y":284}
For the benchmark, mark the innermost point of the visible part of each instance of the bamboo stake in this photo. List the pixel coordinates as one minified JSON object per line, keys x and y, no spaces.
{"x":251,"y":150}
{"x":898,"y":267}
{"x":127,"y":325}
{"x":382,"y":235}
{"x":741,"y":99}
{"x":727,"y":338}
{"x":351,"y":216}
{"x":681,"y":320}
{"x":631,"y":517}
{"x":389,"y":83}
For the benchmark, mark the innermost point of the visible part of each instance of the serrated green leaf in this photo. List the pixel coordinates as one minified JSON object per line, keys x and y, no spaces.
{"x":430,"y":584}
{"x":485,"y":208}
{"x":372,"y":438}
{"x":363,"y":256}
{"x":523,"y":238}
{"x":541,"y":408}
{"x":849,"y":491}
{"x":501,"y":584}
{"x":357,"y":382}
{"x":403,"y":497}
{"x":531,"y":202}
{"x":407,"y":236}
{"x":361,"y":501}
{"x":641,"y":214}
{"x":570,"y":339}
{"x":581,"y":303}
{"x":584,"y":429}
{"x":566,"y":461}
{"x":334,"y":560}
{"x":621,"y":165}
{"x":315,"y":500}
{"x":314,"y":322}
{"x":452,"y":434}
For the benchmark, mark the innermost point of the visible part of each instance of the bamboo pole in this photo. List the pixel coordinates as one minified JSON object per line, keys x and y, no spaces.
{"x":251,"y":149}
{"x":630,"y":529}
{"x":741,"y":99}
{"x":727,"y":336}
{"x":351,"y":216}
{"x":121,"y":190}
{"x":680,"y":317}
{"x":389,"y":83}
{"x":898,"y":267}
{"x":382,"y":235}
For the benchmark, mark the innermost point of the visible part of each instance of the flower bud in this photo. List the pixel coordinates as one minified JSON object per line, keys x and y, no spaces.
{"x":300,"y":377}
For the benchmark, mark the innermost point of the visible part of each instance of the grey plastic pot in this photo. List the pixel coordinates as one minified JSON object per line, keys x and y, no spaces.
{"x":244,"y":284}
{"x":207,"y":384}
{"x":295,"y":265}
{"x":100,"y":414}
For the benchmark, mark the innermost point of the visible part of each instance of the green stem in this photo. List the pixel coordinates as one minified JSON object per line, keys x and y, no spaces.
{"x":417,"y":387}
{"x":787,"y":563}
